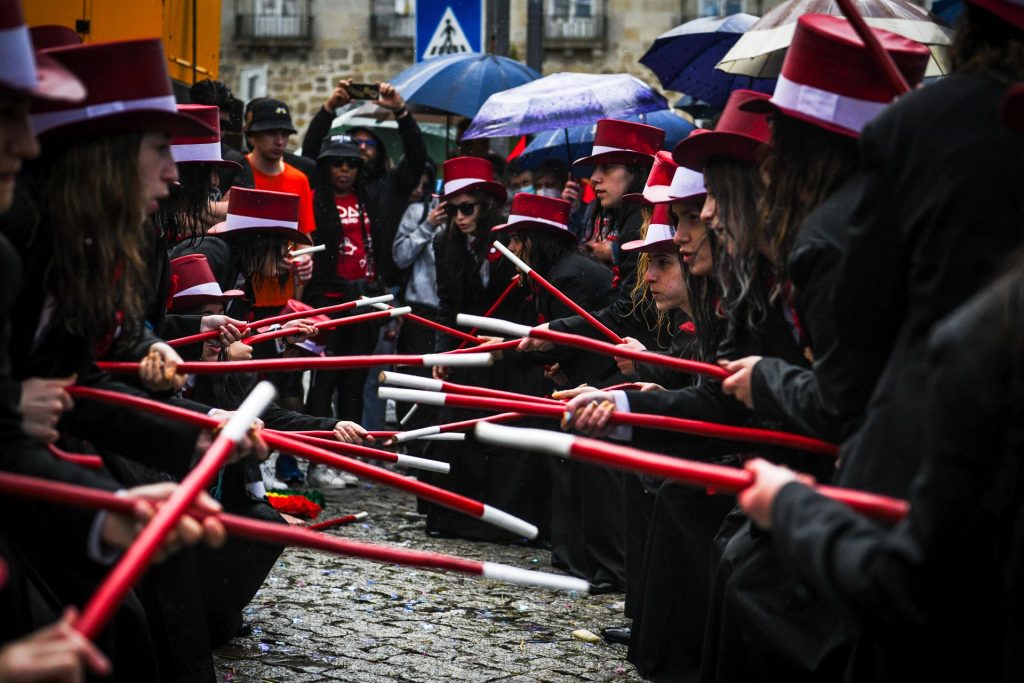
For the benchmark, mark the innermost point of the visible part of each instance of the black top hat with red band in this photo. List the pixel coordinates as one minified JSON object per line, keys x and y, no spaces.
{"x":256,"y":211}
{"x":128,"y":91}
{"x":471,"y":174}
{"x":623,"y":142}
{"x":739,"y":135}
{"x":534,"y":212}
{"x":22,"y":71}
{"x":829,"y":77}
{"x":1011,"y":11}
{"x":202,"y":149}
{"x":658,"y":181}
{"x":195,"y":285}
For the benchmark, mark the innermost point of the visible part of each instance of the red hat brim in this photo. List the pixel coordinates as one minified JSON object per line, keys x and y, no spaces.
{"x":495,"y":190}
{"x":624,"y":158}
{"x":769,"y":107}
{"x":292,"y":234}
{"x":54,"y":83}
{"x":190,"y":300}
{"x":694,"y":150}
{"x":130,"y":121}
{"x":650,"y":196}
{"x":641,"y":247}
{"x":221,"y":163}
{"x":535,"y":225}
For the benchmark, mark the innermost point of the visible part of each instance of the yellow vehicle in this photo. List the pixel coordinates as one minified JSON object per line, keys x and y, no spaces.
{"x":190,"y":28}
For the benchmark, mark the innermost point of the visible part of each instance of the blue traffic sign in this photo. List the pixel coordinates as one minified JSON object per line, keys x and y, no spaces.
{"x":448,"y":27}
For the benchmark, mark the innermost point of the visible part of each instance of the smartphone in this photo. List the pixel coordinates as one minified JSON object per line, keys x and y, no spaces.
{"x":438,"y":188}
{"x":363,"y":91}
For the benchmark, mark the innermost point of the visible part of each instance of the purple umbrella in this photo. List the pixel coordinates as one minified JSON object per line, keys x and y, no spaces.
{"x":684,"y":58}
{"x":563,"y":100}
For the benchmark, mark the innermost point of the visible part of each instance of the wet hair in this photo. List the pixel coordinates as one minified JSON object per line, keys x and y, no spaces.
{"x":498,"y":163}
{"x":984,"y":43}
{"x":804,"y":165}
{"x":637,"y":180}
{"x":489,"y":215}
{"x":211,"y":93}
{"x":92,"y":201}
{"x":183,"y":214}
{"x":553,"y":167}
{"x":544,"y":250}
{"x":737,"y":187}
{"x":249,"y":251}
{"x":325,"y":210}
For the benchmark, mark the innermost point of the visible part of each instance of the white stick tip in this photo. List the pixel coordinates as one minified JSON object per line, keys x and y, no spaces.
{"x":508,"y":522}
{"x":255,"y":403}
{"x":401,"y":379}
{"x":502,"y":327}
{"x":540,"y":440}
{"x":401,"y":310}
{"x":516,"y":261}
{"x":424,"y":464}
{"x":374,"y":300}
{"x":462,"y":360}
{"x":361,"y":515}
{"x":526,"y":577}
{"x":447,"y":436}
{"x":430,"y":398}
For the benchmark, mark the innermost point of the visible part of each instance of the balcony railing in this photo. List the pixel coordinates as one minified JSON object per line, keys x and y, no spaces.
{"x":268,"y":29}
{"x":388,"y":29}
{"x":574,"y":31}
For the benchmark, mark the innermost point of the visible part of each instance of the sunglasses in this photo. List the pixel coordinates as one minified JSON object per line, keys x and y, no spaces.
{"x":346,"y":162}
{"x":367,"y":142}
{"x":465,"y":208}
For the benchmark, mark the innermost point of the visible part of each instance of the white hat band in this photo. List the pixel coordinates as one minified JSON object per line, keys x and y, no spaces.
{"x":44,"y":122}
{"x":602,"y":149}
{"x":202,"y":289}
{"x":205,"y":151}
{"x":686,"y":183}
{"x":846,"y":112}
{"x":456,"y":185}
{"x":657,"y":232}
{"x":515,"y":218}
{"x":17,"y":57}
{"x":240,"y":222}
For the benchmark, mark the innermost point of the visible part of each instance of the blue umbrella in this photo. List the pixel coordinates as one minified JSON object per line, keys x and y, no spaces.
{"x":460,"y":83}
{"x":563,"y":100}
{"x":684,"y":58}
{"x":581,"y":138}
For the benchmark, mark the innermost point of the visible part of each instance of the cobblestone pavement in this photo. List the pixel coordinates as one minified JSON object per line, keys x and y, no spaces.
{"x":320,"y":617}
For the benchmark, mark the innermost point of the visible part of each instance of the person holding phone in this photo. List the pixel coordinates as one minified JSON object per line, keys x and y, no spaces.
{"x":387,"y":185}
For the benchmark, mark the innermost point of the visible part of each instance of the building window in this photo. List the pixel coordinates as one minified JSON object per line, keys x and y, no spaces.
{"x":275,"y":22}
{"x":392,"y":23}
{"x":574,"y":23}
{"x":723,"y":8}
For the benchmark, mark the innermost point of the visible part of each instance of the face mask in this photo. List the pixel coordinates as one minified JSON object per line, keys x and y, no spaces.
{"x":549,"y":192}
{"x":526,"y":188}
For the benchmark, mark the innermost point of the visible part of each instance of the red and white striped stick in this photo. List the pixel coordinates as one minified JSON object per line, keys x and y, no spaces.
{"x":437,"y":431}
{"x":557,"y":293}
{"x":426,"y":322}
{"x":882,"y":58}
{"x":716,"y":478}
{"x":338,"y":521}
{"x":92,"y":462}
{"x":372,"y":453}
{"x":133,"y":563}
{"x":284,"y":534}
{"x":497,"y":303}
{"x":308,"y":250}
{"x":362,"y":470}
{"x":331,"y":324}
{"x":486,"y":348}
{"x":287,"y":364}
{"x":400,"y":379}
{"x":510,"y":329}
{"x":678,"y":424}
{"x":285,"y":317}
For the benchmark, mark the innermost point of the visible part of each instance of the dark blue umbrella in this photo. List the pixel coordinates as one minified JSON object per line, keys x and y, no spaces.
{"x":460,"y":83}
{"x":684,"y":58}
{"x":563,"y":100}
{"x":581,"y":138}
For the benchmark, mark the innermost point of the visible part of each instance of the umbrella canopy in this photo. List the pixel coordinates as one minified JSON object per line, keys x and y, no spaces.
{"x":460,"y":83}
{"x":760,"y":51}
{"x":581,"y":138}
{"x":434,"y":134}
{"x":563,"y":100}
{"x":684,"y":58}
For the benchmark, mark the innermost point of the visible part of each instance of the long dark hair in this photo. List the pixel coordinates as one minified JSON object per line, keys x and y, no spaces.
{"x":984,"y":43}
{"x":182,"y":215}
{"x":325,"y":211}
{"x":249,"y":251}
{"x":595,"y":225}
{"x":490,"y":214}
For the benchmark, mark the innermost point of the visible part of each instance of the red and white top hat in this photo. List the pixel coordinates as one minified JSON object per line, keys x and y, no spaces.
{"x":534,"y":212}
{"x":252,"y":211}
{"x":22,"y":71}
{"x":658,"y":237}
{"x":687,"y":185}
{"x":830,"y":79}
{"x":1011,"y":11}
{"x":128,"y":91}
{"x":1012,"y":112}
{"x":658,"y":181}
{"x":53,"y":35}
{"x":739,"y":135}
{"x":193,"y":283}
{"x":317,"y":343}
{"x":471,"y":174}
{"x":204,"y":149}
{"x":623,"y":142}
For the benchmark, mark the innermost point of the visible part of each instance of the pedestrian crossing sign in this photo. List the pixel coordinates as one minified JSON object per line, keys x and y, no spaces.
{"x":445,"y":27}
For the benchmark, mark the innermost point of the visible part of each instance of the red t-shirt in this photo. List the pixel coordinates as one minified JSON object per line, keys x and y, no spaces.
{"x":353,"y":263}
{"x":294,"y":181}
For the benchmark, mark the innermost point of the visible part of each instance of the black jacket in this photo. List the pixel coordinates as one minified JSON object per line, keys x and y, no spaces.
{"x":387,"y":190}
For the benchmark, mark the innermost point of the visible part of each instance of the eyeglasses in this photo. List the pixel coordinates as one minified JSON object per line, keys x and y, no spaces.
{"x":465,"y":208}
{"x":347,"y":162}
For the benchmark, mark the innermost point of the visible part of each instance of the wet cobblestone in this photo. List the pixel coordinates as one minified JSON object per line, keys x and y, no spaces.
{"x":320,"y":617}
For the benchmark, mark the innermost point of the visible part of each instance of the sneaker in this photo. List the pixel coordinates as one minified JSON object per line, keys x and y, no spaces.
{"x":270,"y":481}
{"x":325,"y":477}
{"x":287,"y":470}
